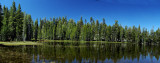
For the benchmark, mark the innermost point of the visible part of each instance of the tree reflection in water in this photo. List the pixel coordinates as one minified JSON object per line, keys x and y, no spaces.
{"x":82,"y":53}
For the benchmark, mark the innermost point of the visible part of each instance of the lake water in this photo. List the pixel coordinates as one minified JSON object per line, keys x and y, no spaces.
{"x":60,"y":52}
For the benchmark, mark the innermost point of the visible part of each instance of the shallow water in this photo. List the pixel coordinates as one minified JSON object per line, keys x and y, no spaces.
{"x":60,"y":52}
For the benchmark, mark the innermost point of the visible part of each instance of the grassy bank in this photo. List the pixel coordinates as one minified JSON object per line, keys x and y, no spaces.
{"x":79,"y":41}
{"x":19,"y":43}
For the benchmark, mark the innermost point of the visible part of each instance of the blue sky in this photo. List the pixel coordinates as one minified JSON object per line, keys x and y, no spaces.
{"x":127,"y":12}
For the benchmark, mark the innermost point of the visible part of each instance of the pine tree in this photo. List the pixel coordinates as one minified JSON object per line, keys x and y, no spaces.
{"x":158,"y":35}
{"x":36,"y":29}
{"x":24,"y":27}
{"x":54,"y":28}
{"x":109,"y":33}
{"x":59,"y":29}
{"x":133,"y":34}
{"x":19,"y":23}
{"x":29,"y":30}
{"x":152,"y":35}
{"x":139,"y":34}
{"x":91,"y":20}
{"x":1,"y":17}
{"x":79,"y":27}
{"x":126,"y":34}
{"x":88,"y":32}
{"x":14,"y":21}
{"x":69,"y":28}
{"x":83,"y":35}
{"x":74,"y":35}
{"x":97,"y":35}
{"x":64,"y":28}
{"x":40,"y":29}
{"x":115,"y":31}
{"x":15,"y":25}
{"x":103,"y":30}
{"x":144,"y":35}
{"x":130,"y":34}
{"x":92,"y":29}
{"x":121,"y":34}
{"x":4,"y":29}
{"x":51,"y":27}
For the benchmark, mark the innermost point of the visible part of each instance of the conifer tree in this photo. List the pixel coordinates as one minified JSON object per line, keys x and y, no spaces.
{"x":15,"y":25}
{"x":24,"y":27}
{"x":36,"y":29}
{"x":103,"y":30}
{"x":109,"y":33}
{"x":19,"y":22}
{"x":59,"y":31}
{"x":4,"y":29}
{"x":97,"y":35}
{"x":14,"y":21}
{"x":1,"y":17}
{"x":29,"y":31}
{"x":126,"y":34}
{"x":121,"y":34}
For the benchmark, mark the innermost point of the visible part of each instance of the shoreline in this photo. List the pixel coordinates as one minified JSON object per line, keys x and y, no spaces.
{"x":20,"y":43}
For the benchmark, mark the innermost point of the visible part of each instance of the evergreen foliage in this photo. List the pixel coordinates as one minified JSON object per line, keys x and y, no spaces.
{"x":15,"y":25}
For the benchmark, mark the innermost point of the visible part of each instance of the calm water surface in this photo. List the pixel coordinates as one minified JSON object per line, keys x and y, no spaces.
{"x":59,"y":52}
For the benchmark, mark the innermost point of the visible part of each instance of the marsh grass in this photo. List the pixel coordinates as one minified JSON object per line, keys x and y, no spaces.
{"x":20,"y":43}
{"x":79,"y":41}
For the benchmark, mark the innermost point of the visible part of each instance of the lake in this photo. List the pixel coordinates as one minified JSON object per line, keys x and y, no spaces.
{"x":65,"y":52}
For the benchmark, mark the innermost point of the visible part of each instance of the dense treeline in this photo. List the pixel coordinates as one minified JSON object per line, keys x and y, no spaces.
{"x":17,"y":26}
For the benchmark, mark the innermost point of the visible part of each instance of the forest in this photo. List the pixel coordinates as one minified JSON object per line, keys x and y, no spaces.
{"x":16,"y":25}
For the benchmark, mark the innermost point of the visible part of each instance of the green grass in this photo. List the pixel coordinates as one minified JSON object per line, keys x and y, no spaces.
{"x":20,"y":43}
{"x":80,"y":41}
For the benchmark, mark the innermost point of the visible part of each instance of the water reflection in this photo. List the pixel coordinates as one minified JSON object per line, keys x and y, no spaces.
{"x":81,"y":53}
